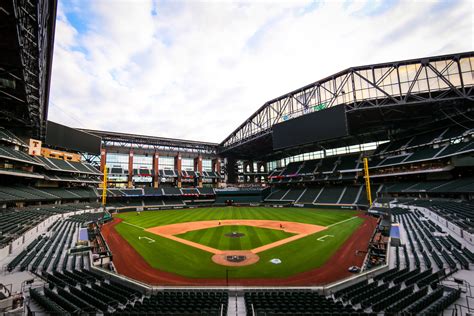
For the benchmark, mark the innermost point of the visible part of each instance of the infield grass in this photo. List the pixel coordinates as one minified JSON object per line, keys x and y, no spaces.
{"x":253,"y":237}
{"x":298,"y":256}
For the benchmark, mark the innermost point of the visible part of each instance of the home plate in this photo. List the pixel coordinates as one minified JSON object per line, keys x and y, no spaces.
{"x":275,"y":261}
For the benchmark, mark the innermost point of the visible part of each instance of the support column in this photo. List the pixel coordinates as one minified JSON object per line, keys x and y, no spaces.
{"x":261,"y":167}
{"x":156,"y":173}
{"x":216,"y":167}
{"x":198,"y":168}
{"x":130,"y":169}
{"x":265,"y":169}
{"x":252,"y":172}
{"x":177,"y":166}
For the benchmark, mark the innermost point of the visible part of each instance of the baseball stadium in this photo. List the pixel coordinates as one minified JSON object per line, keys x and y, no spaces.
{"x":351,"y":195}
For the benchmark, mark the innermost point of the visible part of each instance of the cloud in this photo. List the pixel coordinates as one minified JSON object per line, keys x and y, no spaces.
{"x":197,"y":70}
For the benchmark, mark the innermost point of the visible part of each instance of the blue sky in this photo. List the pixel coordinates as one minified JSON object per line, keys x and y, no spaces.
{"x":197,"y":69}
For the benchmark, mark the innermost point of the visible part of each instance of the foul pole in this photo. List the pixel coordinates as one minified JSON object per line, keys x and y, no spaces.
{"x":367,"y":181}
{"x":104,"y":187}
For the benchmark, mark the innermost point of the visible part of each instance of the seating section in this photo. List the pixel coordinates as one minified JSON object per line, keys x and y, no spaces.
{"x":210,"y":175}
{"x":189,"y":191}
{"x":423,"y":242}
{"x":8,"y":137}
{"x":276,"y":173}
{"x":309,"y":195}
{"x":292,"y":302}
{"x":293,"y":194}
{"x":173,"y":201}
{"x":206,"y":191}
{"x":350,"y":194}
{"x":168,"y":173}
{"x":180,"y":303}
{"x":171,"y":191}
{"x":329,"y":195}
{"x":10,"y":194}
{"x":142,"y":172}
{"x":153,"y":191}
{"x":423,"y":139}
{"x":393,"y":160}
{"x":84,"y":167}
{"x":327,"y":165}
{"x":117,"y":171}
{"x":86,"y":292}
{"x":308,"y":167}
{"x":332,"y":168}
{"x":14,"y":222}
{"x":133,"y":192}
{"x":463,"y":185}
{"x":240,"y":195}
{"x":349,"y":162}
{"x":49,"y":252}
{"x":153,"y":202}
{"x":68,"y":166}
{"x":162,"y":197}
{"x":291,"y":169}
{"x":424,"y":154}
{"x":458,"y":213}
{"x":276,"y":195}
{"x":10,"y":153}
{"x":414,"y":156}
{"x":414,"y":285}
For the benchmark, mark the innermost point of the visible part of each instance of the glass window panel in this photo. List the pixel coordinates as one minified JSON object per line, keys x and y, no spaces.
{"x":166,"y":163}
{"x":466,"y":64}
{"x":207,"y":165}
{"x":455,"y":80}
{"x":468,"y":78}
{"x":187,"y":164}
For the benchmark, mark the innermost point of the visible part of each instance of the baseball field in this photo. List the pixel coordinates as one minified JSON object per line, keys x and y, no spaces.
{"x":196,"y":244}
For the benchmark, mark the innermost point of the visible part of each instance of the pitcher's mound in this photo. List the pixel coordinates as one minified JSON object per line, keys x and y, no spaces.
{"x":234,"y":235}
{"x":235,"y":258}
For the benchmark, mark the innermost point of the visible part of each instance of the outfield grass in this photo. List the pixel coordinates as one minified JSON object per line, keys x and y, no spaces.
{"x":254,"y":237}
{"x":298,"y":256}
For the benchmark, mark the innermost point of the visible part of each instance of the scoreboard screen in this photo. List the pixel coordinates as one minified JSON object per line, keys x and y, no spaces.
{"x":310,"y":128}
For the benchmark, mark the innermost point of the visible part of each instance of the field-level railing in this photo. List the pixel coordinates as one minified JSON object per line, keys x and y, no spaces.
{"x":109,"y":275}
{"x":335,"y":286}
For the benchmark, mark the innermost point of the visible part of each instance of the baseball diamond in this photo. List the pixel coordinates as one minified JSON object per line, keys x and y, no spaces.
{"x":190,"y":244}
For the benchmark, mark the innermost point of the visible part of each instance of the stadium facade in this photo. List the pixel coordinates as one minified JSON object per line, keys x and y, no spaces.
{"x":391,"y":144}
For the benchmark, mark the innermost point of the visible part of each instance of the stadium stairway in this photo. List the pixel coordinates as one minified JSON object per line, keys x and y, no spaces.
{"x":236,"y":306}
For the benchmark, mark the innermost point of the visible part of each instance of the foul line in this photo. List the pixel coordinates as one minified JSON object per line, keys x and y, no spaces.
{"x":346,"y":220}
{"x":133,"y":225}
{"x":322,"y":238}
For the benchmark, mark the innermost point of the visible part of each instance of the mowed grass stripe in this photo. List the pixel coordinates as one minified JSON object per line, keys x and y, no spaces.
{"x":197,"y":235}
{"x":271,"y":235}
{"x":215,"y":239}
{"x":234,"y":243}
{"x":254,"y":238}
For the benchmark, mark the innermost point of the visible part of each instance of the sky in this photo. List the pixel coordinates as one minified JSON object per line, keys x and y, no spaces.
{"x":197,"y":69}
